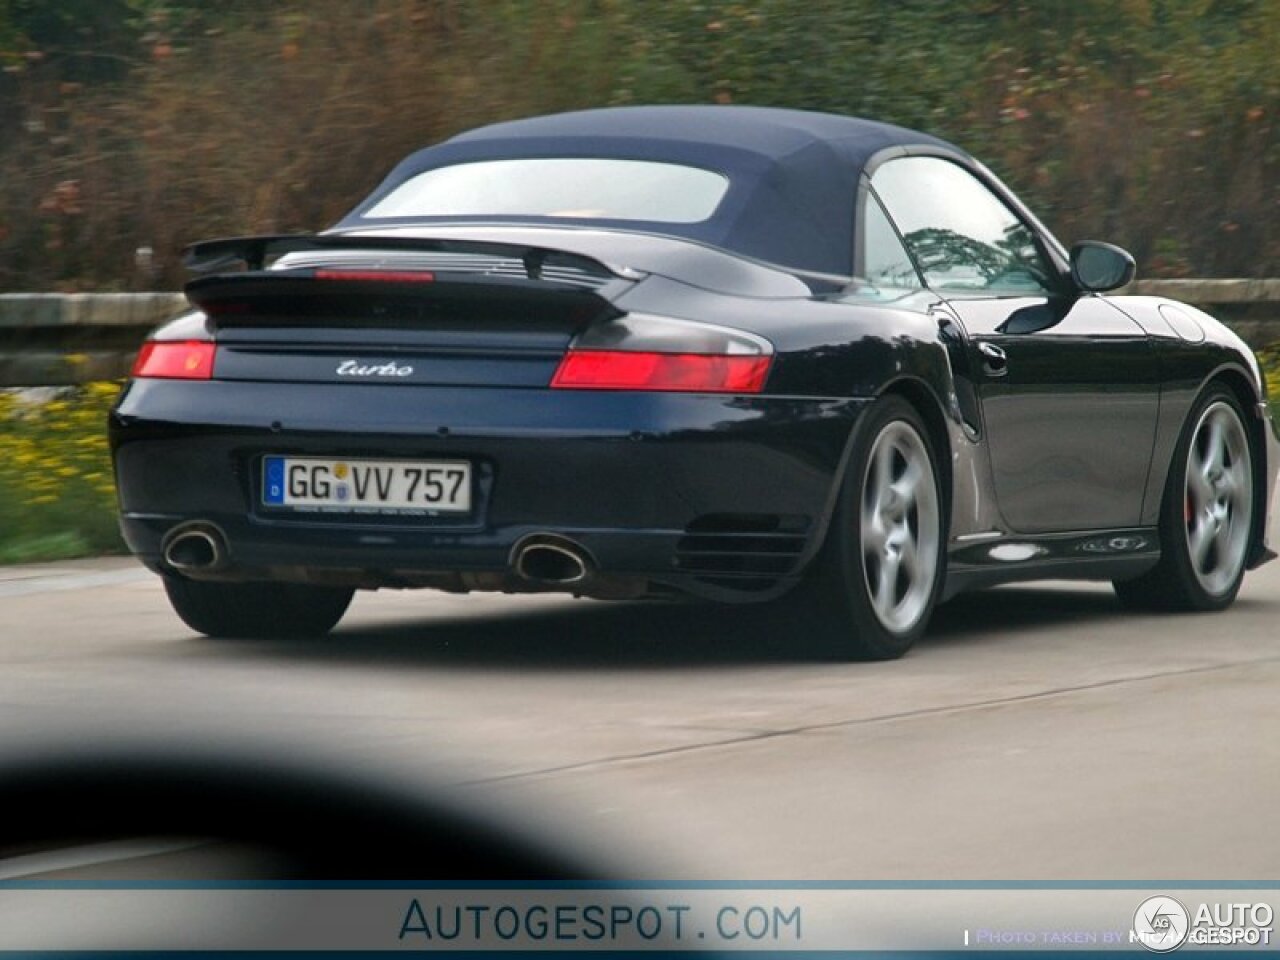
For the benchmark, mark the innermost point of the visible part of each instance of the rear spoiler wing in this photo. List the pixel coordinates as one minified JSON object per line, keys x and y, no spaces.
{"x":216,"y":255}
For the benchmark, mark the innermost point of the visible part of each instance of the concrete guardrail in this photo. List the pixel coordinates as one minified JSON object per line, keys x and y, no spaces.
{"x":54,"y":339}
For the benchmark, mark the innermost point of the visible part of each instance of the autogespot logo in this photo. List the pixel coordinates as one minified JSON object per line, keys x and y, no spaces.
{"x":1160,"y":924}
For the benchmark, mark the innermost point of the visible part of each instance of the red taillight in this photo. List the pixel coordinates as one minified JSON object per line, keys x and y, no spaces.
{"x":175,"y":360}
{"x":689,"y":372}
{"x":377,"y":276}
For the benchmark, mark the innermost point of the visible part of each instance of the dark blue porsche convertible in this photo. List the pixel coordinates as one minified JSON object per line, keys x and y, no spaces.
{"x":732,"y":353}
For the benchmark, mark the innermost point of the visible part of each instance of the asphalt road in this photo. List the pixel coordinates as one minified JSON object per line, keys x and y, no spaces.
{"x":1039,"y":733}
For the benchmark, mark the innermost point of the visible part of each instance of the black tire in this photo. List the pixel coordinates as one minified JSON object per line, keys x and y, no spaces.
{"x":263,"y":610}
{"x":1204,"y":503}
{"x":845,"y":614}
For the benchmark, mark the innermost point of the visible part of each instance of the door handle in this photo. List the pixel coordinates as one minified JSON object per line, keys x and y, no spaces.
{"x":994,"y":360}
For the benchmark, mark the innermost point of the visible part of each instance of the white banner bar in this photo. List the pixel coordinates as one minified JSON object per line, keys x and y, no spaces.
{"x":77,"y":917}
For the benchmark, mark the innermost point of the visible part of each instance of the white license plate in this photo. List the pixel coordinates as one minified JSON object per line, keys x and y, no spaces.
{"x":367,"y":486}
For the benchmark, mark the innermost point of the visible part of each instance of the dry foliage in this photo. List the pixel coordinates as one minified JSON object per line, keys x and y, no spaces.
{"x":1152,"y":123}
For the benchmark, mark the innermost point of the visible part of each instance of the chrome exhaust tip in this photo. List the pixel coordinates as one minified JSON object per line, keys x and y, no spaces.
{"x":552,"y":561}
{"x":195,"y":548}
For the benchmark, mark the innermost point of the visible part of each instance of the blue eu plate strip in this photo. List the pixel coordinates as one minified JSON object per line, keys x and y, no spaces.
{"x":273,"y":481}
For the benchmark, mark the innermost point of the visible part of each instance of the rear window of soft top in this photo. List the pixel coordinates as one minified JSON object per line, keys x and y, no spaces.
{"x":586,"y":188}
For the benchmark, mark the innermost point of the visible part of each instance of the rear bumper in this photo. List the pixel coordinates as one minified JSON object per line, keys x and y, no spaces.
{"x":708,"y":494}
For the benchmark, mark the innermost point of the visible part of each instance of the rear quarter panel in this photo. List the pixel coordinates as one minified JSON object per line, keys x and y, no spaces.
{"x":842,"y":345}
{"x":1194,"y":348}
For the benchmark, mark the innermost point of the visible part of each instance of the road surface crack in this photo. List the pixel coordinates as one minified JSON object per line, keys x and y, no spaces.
{"x":762,"y":735}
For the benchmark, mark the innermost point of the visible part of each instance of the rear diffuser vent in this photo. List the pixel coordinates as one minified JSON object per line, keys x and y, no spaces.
{"x":746,"y":550}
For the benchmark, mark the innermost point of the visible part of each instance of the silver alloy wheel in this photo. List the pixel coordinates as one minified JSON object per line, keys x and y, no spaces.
{"x":900,"y":527}
{"x":1219,"y":498}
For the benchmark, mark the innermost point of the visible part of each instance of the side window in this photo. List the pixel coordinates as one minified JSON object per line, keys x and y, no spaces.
{"x":960,"y":233}
{"x":885,"y":264}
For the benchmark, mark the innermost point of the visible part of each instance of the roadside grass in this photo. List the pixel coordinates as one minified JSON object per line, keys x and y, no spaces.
{"x":57,"y":495}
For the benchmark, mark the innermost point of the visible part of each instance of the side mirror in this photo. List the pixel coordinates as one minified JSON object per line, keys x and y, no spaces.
{"x":1098,"y":267}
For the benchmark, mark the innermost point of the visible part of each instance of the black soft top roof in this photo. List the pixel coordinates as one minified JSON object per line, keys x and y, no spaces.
{"x":793,"y":173}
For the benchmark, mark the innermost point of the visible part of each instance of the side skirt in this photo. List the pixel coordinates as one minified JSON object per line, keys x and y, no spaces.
{"x":984,"y":560}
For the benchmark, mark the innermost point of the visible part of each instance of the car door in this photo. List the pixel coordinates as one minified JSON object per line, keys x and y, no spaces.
{"x":1067,"y":384}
